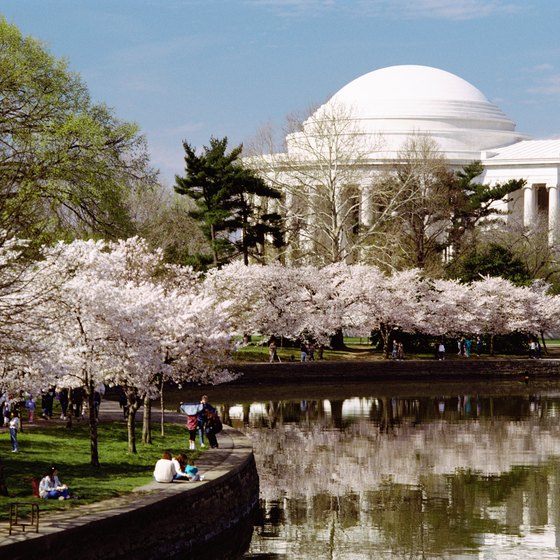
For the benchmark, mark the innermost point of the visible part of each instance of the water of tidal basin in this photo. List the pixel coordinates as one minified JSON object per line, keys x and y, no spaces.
{"x":370,"y":472}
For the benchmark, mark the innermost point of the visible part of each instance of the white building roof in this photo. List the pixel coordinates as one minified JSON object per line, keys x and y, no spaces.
{"x":525,"y":151}
{"x":399,"y":101}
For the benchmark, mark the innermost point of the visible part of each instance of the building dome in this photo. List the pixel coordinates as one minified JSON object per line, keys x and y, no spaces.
{"x":399,"y":101}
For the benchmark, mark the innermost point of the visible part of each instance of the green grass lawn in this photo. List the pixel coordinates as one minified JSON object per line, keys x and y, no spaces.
{"x":69,"y":449}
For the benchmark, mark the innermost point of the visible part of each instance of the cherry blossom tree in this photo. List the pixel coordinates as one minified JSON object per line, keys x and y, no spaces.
{"x":497,"y":307}
{"x":445,"y":308}
{"x":114,"y":321}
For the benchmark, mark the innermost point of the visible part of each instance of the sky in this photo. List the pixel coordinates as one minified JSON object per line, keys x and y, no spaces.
{"x":193,"y":69}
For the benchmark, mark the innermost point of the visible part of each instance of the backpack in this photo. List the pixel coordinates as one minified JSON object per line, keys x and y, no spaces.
{"x":35,"y":487}
{"x":214,"y":425}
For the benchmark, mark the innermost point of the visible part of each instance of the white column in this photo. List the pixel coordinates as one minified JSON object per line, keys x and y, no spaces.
{"x":552,"y":213}
{"x":528,"y":206}
{"x":366,"y":209}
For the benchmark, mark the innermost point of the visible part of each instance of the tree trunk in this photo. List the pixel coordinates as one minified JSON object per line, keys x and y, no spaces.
{"x":491,"y":344}
{"x":213,"y":244}
{"x":147,"y":421}
{"x":544,"y":343}
{"x":161,"y":410}
{"x":92,"y":427}
{"x":386,"y":336}
{"x":133,"y":404}
{"x":337,"y":340}
{"x":3,"y":487}
{"x":70,"y":412}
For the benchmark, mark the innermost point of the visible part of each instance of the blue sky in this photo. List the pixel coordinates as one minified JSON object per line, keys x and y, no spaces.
{"x":192,"y":69}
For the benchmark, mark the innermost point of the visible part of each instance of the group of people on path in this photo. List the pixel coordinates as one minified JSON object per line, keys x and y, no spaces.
{"x":307,"y":351}
{"x":397,"y":353}
{"x":464,"y":347}
{"x":202,"y":420}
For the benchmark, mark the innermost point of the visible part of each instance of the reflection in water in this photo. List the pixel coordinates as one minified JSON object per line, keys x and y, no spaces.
{"x":428,"y":477}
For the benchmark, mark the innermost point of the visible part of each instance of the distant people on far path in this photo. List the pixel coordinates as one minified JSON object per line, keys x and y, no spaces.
{"x":50,"y":487}
{"x":6,"y":409}
{"x":320,"y":351}
{"x":532,"y":349}
{"x":303,"y":352}
{"x":273,"y":352}
{"x":97,"y":395}
{"x":478,"y":345}
{"x":123,"y":403}
{"x":468,"y":346}
{"x":78,"y":402}
{"x":63,"y":400}
{"x":395,"y":350}
{"x":164,"y":470}
{"x":441,"y":351}
{"x":30,"y":406}
{"x":47,"y":400}
{"x":400,"y":351}
{"x":311,"y":352}
{"x":14,"y":426}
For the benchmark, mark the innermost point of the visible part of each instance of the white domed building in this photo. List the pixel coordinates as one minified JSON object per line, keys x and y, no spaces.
{"x":398,"y":101}
{"x":383,"y":109}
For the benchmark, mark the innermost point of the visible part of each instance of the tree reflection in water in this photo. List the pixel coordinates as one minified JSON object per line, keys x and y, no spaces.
{"x":427,"y":477}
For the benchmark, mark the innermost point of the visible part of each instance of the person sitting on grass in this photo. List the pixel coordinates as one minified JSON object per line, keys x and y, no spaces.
{"x":50,"y":487}
{"x":165,"y":469}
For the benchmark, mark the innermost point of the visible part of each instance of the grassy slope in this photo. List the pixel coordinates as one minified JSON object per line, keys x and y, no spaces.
{"x":120,"y":472}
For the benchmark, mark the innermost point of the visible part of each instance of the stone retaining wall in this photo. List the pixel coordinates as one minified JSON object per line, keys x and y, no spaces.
{"x":212,"y":519}
{"x":392,"y":370}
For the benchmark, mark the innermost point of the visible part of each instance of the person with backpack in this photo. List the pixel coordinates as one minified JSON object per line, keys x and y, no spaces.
{"x":203,"y":413}
{"x":213,"y":427}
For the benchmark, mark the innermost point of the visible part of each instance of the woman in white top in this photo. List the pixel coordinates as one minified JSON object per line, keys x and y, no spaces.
{"x":165,"y":469}
{"x":50,"y":487}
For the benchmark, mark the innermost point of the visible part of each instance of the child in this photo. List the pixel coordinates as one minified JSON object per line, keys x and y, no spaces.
{"x":30,"y":405}
{"x":14,"y":426}
{"x":192,"y":471}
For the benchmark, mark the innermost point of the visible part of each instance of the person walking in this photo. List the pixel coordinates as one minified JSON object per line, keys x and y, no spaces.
{"x":468,"y":346}
{"x":441,"y":351}
{"x":303,"y":352}
{"x":30,"y":406}
{"x":273,"y":352}
{"x":192,"y":427}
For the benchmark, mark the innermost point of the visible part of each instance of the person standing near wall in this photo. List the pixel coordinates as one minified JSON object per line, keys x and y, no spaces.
{"x":203,"y":418}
